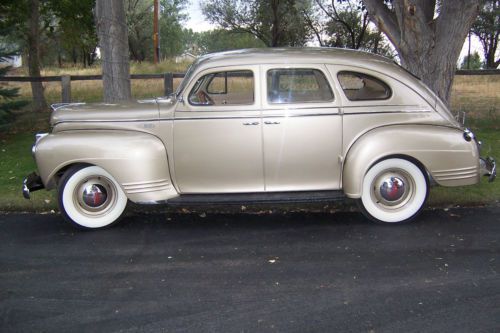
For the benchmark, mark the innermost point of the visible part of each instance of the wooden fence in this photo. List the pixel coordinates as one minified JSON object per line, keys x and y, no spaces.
{"x":168,"y":80}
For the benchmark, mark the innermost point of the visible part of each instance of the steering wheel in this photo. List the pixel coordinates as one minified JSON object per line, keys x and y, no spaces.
{"x":204,"y":98}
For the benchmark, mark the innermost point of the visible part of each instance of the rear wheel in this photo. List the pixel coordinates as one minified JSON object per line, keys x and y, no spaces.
{"x":394,"y":191}
{"x":90,"y":198}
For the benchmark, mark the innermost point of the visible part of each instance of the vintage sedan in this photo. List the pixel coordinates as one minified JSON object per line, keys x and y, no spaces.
{"x":263,"y":125}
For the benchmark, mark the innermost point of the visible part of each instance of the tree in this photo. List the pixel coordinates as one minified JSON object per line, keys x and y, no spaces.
{"x":427,"y":34}
{"x":474,"y":63}
{"x":24,"y":18}
{"x":72,"y":24}
{"x":171,"y":20}
{"x":33,"y":35}
{"x":487,"y":29}
{"x":275,"y":22}
{"x":223,"y":40}
{"x":140,"y":28}
{"x":7,"y":95}
{"x":113,"y":40}
{"x":345,"y":24}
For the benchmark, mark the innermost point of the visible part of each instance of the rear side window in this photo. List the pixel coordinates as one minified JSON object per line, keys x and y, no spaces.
{"x":363,"y":87}
{"x":297,"y":85}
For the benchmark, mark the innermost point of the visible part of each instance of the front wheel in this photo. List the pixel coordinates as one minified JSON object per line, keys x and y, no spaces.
{"x":90,"y":198}
{"x":394,"y":191}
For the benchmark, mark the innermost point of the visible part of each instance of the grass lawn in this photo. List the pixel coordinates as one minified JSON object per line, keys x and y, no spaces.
{"x":16,"y":162}
{"x":482,"y":193}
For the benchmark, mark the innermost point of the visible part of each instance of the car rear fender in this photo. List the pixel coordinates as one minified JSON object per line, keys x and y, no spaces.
{"x":443,"y":152}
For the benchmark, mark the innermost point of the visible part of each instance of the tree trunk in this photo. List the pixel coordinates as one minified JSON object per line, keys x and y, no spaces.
{"x":275,"y":29}
{"x":39,"y":103}
{"x":113,"y":40}
{"x":490,"y":48}
{"x":74,"y":56}
{"x":428,"y":46}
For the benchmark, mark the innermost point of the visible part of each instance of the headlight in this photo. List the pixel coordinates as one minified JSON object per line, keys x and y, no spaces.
{"x":468,"y":135}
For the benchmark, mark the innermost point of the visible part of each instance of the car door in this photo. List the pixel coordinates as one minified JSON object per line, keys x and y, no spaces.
{"x":218,"y":134}
{"x":302,"y":128}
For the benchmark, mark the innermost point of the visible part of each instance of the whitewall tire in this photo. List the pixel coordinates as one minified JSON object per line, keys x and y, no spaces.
{"x":90,"y":198}
{"x":394,"y":190}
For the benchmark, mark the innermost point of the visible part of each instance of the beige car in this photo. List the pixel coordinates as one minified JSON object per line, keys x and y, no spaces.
{"x":267,"y":125}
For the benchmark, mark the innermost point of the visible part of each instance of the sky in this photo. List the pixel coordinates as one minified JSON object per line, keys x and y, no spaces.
{"x":198,"y":23}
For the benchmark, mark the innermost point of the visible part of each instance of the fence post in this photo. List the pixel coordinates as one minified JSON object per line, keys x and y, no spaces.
{"x":168,"y":83}
{"x":66,"y":89}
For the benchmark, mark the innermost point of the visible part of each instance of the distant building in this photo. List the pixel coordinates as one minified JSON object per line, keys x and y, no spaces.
{"x":186,"y":56}
{"x":15,"y":61}
{"x":8,"y":47}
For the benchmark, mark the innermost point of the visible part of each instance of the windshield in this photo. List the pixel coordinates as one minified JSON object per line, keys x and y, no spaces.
{"x":187,"y":78}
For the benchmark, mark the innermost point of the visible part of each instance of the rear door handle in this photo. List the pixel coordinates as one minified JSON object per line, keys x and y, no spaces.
{"x":272,"y":122}
{"x":251,"y":124}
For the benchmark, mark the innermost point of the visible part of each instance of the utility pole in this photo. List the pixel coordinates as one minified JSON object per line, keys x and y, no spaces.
{"x":156,"y":34}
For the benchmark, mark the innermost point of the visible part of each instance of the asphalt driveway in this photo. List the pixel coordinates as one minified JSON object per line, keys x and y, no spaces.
{"x":232,"y":273}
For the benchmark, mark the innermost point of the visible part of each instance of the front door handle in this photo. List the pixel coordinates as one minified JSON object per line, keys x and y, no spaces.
{"x":272,"y":122}
{"x":251,"y":124}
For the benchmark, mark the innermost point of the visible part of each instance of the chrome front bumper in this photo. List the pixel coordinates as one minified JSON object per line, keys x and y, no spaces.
{"x":32,"y":183}
{"x":488,"y":168}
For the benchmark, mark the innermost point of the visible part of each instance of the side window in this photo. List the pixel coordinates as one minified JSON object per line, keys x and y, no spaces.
{"x":223,"y":88}
{"x":297,"y":85}
{"x":363,"y":87}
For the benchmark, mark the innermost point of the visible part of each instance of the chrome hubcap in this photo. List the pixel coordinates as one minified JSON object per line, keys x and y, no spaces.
{"x":392,"y":189}
{"x":95,"y":196}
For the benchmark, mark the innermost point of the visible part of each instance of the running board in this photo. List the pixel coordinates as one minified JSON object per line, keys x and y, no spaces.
{"x":257,"y":198}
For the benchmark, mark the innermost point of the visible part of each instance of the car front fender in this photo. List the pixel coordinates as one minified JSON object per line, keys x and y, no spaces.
{"x":138,"y":161}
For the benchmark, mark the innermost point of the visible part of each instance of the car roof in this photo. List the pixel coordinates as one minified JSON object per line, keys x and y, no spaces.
{"x":296,"y":55}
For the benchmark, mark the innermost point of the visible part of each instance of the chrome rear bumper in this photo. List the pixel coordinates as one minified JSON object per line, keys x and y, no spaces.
{"x":32,"y":183}
{"x":488,"y":168}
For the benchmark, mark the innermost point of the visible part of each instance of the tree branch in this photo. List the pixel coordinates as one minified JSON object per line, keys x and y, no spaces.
{"x":385,"y":19}
{"x":310,"y":23}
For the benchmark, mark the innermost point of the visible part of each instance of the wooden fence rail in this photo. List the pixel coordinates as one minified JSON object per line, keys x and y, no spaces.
{"x":168,"y":79}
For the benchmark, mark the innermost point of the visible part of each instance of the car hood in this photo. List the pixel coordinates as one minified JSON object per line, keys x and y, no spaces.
{"x":103,"y":112}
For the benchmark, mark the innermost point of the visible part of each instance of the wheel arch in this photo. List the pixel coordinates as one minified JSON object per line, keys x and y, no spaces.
{"x":57,"y":174}
{"x":409,"y":158}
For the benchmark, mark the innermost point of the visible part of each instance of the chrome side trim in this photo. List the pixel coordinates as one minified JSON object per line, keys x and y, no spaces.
{"x":110,"y":121}
{"x":385,"y":112}
{"x":239,"y":117}
{"x":149,"y":186}
{"x":56,"y":106}
{"x":455,"y":174}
